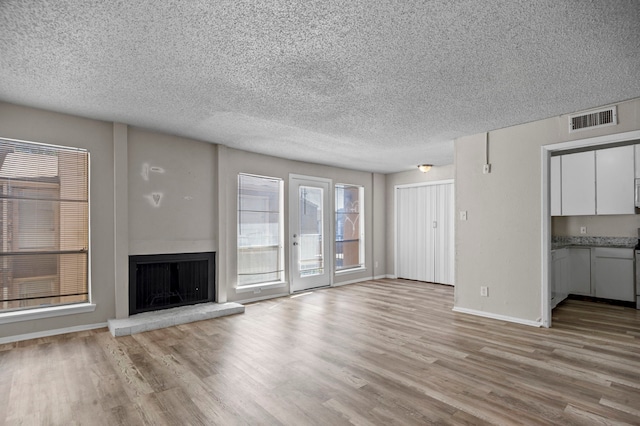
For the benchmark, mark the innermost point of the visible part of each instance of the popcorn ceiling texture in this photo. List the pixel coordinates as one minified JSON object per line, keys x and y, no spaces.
{"x":371,"y":85}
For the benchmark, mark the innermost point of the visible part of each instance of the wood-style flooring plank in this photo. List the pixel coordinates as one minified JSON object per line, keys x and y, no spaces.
{"x":383,"y":352}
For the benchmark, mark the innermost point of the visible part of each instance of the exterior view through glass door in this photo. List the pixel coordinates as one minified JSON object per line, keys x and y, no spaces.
{"x":309,"y":221}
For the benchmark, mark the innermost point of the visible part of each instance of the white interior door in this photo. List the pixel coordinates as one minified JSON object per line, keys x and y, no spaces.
{"x":310,"y":233}
{"x":424,"y":233}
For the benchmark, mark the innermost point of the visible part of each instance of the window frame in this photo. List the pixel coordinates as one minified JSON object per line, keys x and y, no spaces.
{"x":361,"y":238}
{"x":280,"y":245}
{"x":24,"y":313}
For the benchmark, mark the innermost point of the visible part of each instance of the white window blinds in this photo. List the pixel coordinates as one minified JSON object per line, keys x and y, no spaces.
{"x":44,"y":232}
{"x":260,"y":257}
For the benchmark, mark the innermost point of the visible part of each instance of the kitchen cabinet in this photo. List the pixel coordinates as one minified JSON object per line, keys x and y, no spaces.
{"x":637,"y":155}
{"x":578,"y":183}
{"x":559,"y":276}
{"x":579,"y":271}
{"x":604,"y":272}
{"x":599,"y":182}
{"x":613,"y":274}
{"x":556,"y":187}
{"x":615,"y":180}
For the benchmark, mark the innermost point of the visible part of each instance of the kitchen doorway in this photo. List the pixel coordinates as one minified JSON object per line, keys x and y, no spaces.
{"x":546,"y":151}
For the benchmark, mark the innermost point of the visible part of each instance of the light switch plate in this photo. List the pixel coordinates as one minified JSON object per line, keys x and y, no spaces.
{"x":463,"y":215}
{"x":583,"y":229}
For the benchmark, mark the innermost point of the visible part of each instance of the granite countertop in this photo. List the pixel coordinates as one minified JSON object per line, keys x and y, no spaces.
{"x":586,"y":242}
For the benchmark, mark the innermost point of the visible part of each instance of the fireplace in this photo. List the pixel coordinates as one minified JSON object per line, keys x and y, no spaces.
{"x":162,"y":281}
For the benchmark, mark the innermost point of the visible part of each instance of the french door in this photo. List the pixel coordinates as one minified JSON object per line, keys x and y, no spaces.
{"x":310,"y":233}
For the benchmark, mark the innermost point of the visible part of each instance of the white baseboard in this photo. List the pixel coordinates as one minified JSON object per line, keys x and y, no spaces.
{"x":380,"y":277}
{"x":257,"y":299}
{"x":47,"y":333}
{"x":358,"y":280}
{"x":391,"y":276}
{"x":498,"y":316}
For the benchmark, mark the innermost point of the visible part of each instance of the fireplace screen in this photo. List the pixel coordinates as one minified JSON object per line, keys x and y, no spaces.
{"x":169,"y":280}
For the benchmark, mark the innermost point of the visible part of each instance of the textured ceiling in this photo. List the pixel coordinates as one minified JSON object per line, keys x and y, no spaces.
{"x":372,"y":85}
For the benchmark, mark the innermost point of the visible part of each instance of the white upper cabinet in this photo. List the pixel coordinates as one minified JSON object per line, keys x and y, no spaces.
{"x":579,"y":184}
{"x":637,"y":152}
{"x":556,"y":189}
{"x":615,"y":180}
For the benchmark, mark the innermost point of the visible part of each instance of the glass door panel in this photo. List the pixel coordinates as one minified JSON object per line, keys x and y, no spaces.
{"x":309,"y":224}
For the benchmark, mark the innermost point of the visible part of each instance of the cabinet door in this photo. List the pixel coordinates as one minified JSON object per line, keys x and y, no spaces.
{"x":580,"y":271}
{"x":560,"y":276}
{"x":613,"y":274}
{"x":579,"y":184}
{"x":555,"y":186}
{"x":615,"y":180}
{"x":637,"y":152}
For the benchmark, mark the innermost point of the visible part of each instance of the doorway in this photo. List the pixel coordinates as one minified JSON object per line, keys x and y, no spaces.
{"x":310,"y":232}
{"x":546,"y":151}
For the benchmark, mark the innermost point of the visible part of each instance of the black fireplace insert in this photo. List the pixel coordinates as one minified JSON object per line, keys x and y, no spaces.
{"x":162,"y":281}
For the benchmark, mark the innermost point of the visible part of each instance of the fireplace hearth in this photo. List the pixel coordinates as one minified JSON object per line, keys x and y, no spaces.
{"x":163,"y":281}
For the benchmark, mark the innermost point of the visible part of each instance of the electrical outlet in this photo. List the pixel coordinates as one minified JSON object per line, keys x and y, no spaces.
{"x":583,"y":229}
{"x":257,"y":291}
{"x":486,"y":169}
{"x":376,"y":265}
{"x":484,"y":291}
{"x":463,"y":215}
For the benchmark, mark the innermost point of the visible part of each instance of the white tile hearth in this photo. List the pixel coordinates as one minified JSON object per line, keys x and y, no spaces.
{"x":170,"y":317}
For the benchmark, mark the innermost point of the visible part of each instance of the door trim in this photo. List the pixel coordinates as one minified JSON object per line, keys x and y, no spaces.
{"x":330,"y":262}
{"x":545,"y":160}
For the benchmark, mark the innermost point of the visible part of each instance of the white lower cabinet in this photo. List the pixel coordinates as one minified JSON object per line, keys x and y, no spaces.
{"x":580,"y":271}
{"x":613,"y":276}
{"x":559,"y":276}
{"x":602,"y":272}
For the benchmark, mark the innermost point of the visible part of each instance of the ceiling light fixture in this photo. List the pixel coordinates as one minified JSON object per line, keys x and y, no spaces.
{"x":424,"y":168}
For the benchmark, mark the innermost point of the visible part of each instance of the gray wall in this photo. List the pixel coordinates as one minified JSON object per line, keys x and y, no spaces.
{"x":197,"y":210}
{"x":36,"y":125}
{"x":182,"y":173}
{"x":232,"y":162}
{"x":597,"y":226}
{"x":499,"y":246}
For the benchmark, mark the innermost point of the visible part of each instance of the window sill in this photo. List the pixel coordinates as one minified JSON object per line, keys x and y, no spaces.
{"x":351,"y":270}
{"x":40,"y":313}
{"x":257,"y":288}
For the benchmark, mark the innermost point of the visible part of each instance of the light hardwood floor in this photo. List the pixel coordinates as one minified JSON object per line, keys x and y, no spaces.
{"x":381,"y":352}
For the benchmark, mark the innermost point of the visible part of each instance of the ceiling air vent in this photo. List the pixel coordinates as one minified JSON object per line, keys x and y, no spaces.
{"x":593,"y":119}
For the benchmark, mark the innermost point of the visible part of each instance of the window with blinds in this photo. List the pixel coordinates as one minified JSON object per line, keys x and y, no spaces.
{"x":260,"y":224}
{"x":44,"y":225}
{"x":349,"y":227}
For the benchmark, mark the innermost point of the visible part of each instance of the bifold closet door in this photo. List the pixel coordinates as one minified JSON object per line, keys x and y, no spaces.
{"x":444,"y":252}
{"x":425,"y":233}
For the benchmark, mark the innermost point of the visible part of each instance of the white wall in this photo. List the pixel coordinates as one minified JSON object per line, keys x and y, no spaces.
{"x":499,"y":246}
